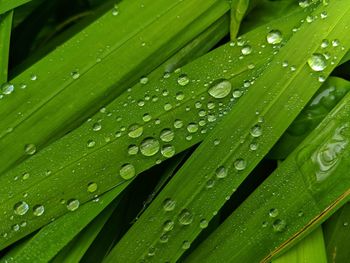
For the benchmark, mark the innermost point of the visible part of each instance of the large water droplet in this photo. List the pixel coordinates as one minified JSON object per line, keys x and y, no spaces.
{"x":274,"y":37}
{"x":240,"y":164}
{"x":185,"y":217}
{"x":73,"y":204}
{"x":317,"y":62}
{"x":127,"y":171}
{"x":38,"y":210}
{"x":149,"y":146}
{"x":192,"y":127}
{"x":220,"y":89}
{"x":246,"y":50}
{"x":221,"y":172}
{"x":256,"y":131}
{"x":21,"y":208}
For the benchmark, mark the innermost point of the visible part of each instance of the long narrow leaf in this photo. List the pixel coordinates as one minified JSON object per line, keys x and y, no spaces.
{"x":5,"y":34}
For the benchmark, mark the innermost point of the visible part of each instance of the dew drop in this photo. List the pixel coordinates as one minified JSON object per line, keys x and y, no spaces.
{"x":92,"y":187}
{"x":237,"y":93}
{"x":221,"y":172}
{"x":7,"y":88}
{"x":133,"y":149}
{"x":149,"y":146}
{"x":73,"y":204}
{"x":21,"y":208}
{"x":279,"y":225}
{"x":168,"y":225}
{"x":183,"y":80}
{"x":25,"y":176}
{"x":185,"y":217}
{"x":168,"y":151}
{"x":240,"y":164}
{"x":167,"y":135}
{"x":30,"y":149}
{"x":169,"y":205}
{"x":75,"y":74}
{"x":15,"y":227}
{"x":146,"y":117}
{"x":220,"y":89}
{"x":246,"y":50}
{"x":317,"y":62}
{"x":274,"y":37}
{"x":178,"y":124}
{"x":91,"y":143}
{"x":180,"y":96}
{"x":38,"y":210}
{"x":127,"y":171}
{"x":273,"y":212}
{"x":97,"y":126}
{"x":192,"y":127}
{"x":256,"y":131}
{"x":186,"y":244}
{"x":135,"y":131}
{"x":164,"y":238}
{"x":203,"y":223}
{"x":143,"y":80}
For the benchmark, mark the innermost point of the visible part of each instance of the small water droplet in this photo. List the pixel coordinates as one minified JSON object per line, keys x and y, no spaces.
{"x":91,"y":143}
{"x":75,"y":74}
{"x":127,"y":171}
{"x":256,"y":131}
{"x":133,"y":149}
{"x":30,"y":149}
{"x":183,"y":80}
{"x":220,"y":89}
{"x":185,"y":217}
{"x":73,"y":204}
{"x":186,"y":244}
{"x":25,"y":176}
{"x":274,"y":37}
{"x":273,"y":212}
{"x":15,"y":227}
{"x":135,"y":131}
{"x":146,"y":117}
{"x":192,"y":127}
{"x":164,"y":238}
{"x":240,"y":164}
{"x":246,"y":50}
{"x":7,"y":88}
{"x":143,"y":80}
{"x":97,"y":126}
{"x":178,"y":124}
{"x":168,"y":225}
{"x":221,"y":172}
{"x":203,"y":223}
{"x":180,"y":96}
{"x":317,"y":62}
{"x":168,"y":151}
{"x":21,"y":208}
{"x":169,"y":205}
{"x":92,"y":187}
{"x":38,"y":210}
{"x":279,"y":225}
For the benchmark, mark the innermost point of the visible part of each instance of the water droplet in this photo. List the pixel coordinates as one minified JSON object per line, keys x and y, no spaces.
{"x":273,"y":212}
{"x":127,"y":171}
{"x":7,"y":88}
{"x":91,"y":143}
{"x":164,"y":238}
{"x":15,"y":227}
{"x":237,"y":93}
{"x":324,"y":15}
{"x":183,"y":80}
{"x":133,"y":149}
{"x":220,"y":89}
{"x":274,"y":37}
{"x":221,"y":172}
{"x":178,"y":124}
{"x":300,"y":213}
{"x":146,"y":117}
{"x":317,"y":62}
{"x":38,"y":210}
{"x":97,"y":126}
{"x":75,"y":74}
{"x":265,"y":224}
{"x":168,"y":225}
{"x":335,"y":43}
{"x":135,"y":131}
{"x":168,"y":151}
{"x":180,"y":96}
{"x":185,"y":217}
{"x":186,"y":244}
{"x":203,"y":223}
{"x":256,"y":131}
{"x":192,"y":127}
{"x":149,"y":146}
{"x":30,"y":149}
{"x":143,"y":80}
{"x":21,"y":208}
{"x":167,"y":135}
{"x":92,"y":187}
{"x":246,"y":50}
{"x":325,"y":43}
{"x":33,"y":77}
{"x":151,"y":252}
{"x":169,"y":205}
{"x":279,"y":225}
{"x":25,"y":176}
{"x":73,"y":204}
{"x":240,"y":164}
{"x":115,"y":10}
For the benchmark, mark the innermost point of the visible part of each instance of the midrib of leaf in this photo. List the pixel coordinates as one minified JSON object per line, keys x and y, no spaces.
{"x":187,"y":168}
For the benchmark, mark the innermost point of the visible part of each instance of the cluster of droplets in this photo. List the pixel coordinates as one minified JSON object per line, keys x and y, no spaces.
{"x":278,"y":225}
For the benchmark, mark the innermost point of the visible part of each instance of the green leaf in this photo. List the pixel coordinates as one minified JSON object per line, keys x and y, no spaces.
{"x":238,"y":11}
{"x":5,"y":34}
{"x":228,"y":154}
{"x":311,"y":250}
{"x":300,"y":194}
{"x":66,"y":78}
{"x":8,"y":5}
{"x":337,"y":232}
